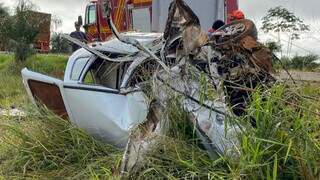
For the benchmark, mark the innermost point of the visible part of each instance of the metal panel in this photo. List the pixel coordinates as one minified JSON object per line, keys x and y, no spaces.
{"x":49,"y":95}
{"x":141,"y":19}
{"x":207,"y":10}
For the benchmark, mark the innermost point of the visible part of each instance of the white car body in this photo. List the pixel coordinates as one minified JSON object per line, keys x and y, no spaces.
{"x":118,"y":100}
{"x":104,"y":112}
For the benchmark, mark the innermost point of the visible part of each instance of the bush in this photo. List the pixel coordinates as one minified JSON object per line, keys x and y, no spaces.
{"x":3,"y":30}
{"x":303,"y":63}
{"x":21,"y":30}
{"x":59,"y":44}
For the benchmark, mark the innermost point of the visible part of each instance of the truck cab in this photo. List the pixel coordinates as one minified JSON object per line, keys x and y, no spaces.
{"x":126,"y":15}
{"x":148,"y":15}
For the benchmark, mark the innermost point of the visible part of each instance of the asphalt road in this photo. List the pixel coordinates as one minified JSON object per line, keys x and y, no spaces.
{"x":299,"y":76}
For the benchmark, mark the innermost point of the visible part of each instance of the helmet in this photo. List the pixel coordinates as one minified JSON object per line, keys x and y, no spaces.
{"x":237,"y":15}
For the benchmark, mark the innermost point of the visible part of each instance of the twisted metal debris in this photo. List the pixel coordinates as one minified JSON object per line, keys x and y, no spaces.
{"x":232,"y":61}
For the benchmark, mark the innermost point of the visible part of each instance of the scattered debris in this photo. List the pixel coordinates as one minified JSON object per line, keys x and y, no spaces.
{"x":233,"y":66}
{"x":134,"y":75}
{"x":13,"y":112}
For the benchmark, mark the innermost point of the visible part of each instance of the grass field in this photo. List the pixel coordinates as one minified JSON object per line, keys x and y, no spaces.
{"x":284,"y":145}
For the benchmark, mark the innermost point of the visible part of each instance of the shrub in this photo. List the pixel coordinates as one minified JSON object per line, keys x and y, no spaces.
{"x":21,"y":30}
{"x":59,"y":44}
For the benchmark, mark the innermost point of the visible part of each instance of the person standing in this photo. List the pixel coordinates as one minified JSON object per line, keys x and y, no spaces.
{"x":78,"y":34}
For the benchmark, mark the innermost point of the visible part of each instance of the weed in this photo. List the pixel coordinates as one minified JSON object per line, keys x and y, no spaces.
{"x":285,"y":144}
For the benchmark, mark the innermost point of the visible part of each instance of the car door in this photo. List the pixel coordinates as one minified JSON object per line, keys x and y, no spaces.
{"x":50,"y":91}
{"x":47,"y":90}
{"x":97,"y":105}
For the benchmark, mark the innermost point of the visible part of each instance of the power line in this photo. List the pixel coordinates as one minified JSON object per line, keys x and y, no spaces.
{"x":295,"y":45}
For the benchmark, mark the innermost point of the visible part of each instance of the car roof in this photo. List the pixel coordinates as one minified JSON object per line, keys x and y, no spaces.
{"x":115,"y":46}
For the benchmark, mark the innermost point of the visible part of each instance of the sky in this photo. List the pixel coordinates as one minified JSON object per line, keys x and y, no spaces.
{"x":308,"y":10}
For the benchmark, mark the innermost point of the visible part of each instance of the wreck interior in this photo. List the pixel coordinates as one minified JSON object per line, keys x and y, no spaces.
{"x":107,"y":74}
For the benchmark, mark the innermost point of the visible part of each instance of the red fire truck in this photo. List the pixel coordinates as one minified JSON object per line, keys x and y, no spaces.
{"x":147,"y":15}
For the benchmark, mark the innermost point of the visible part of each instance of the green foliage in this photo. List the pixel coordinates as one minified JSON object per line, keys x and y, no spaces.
{"x":44,"y":145}
{"x":273,"y":46}
{"x":284,"y":145}
{"x":304,"y":63}
{"x":285,"y":63}
{"x":20,"y":30}
{"x":11,"y":92}
{"x":3,"y":11}
{"x":3,"y":31}
{"x":279,"y":19}
{"x":41,"y":145}
{"x":4,"y":60}
{"x":59,"y":44}
{"x":286,"y":131}
{"x":50,"y":64}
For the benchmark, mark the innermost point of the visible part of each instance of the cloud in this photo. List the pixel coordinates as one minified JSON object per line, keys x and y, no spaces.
{"x":307,"y":10}
{"x":69,"y":10}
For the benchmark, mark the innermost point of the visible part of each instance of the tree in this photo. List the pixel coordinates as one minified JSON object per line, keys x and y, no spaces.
{"x":56,"y":22}
{"x":3,"y":31}
{"x":22,"y":29}
{"x":3,"y":11}
{"x":273,"y":46}
{"x":304,"y":62}
{"x":59,"y":44}
{"x":281,"y":20}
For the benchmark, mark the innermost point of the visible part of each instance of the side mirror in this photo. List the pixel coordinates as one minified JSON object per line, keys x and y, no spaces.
{"x":80,"y":21}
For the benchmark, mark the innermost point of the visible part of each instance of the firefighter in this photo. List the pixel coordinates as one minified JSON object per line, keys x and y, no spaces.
{"x":78,"y":34}
{"x":236,"y":15}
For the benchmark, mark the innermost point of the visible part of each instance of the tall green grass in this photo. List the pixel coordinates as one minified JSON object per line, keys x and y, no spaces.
{"x":49,"y":64}
{"x":284,"y":145}
{"x":12,"y":92}
{"x":43,"y":145}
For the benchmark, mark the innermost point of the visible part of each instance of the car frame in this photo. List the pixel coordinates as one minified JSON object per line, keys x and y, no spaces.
{"x":107,"y":113}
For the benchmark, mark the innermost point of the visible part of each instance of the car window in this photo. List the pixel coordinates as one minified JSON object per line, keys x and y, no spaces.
{"x":89,"y":79}
{"x":91,"y":14}
{"x":78,"y":67}
{"x":105,"y":73}
{"x":142,"y":74}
